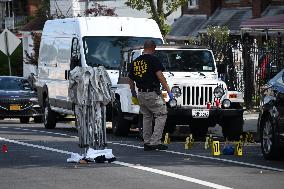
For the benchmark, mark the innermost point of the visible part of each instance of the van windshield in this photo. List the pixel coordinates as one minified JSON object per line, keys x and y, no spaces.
{"x":186,"y":60}
{"x":105,"y":50}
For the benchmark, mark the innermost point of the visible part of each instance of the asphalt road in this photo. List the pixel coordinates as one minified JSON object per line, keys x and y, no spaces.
{"x":36,"y":158}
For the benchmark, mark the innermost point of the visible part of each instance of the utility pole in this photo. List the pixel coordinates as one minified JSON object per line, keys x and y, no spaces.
{"x":8,"y":53}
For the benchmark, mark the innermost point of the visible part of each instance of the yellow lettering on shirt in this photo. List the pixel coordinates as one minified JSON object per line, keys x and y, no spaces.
{"x":140,"y":68}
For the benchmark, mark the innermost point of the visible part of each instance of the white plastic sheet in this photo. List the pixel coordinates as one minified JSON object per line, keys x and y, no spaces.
{"x":90,"y":91}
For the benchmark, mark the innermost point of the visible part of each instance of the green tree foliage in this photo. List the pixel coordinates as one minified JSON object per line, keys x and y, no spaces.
{"x":33,"y":58}
{"x":158,"y":9}
{"x":44,"y":9}
{"x":217,"y":39}
{"x":100,"y":10}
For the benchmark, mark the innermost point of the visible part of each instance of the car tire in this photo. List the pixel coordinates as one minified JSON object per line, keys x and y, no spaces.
{"x":24,"y":120}
{"x":120,"y":126}
{"x":268,"y":142}
{"x":49,"y":118}
{"x":232,"y":128}
{"x":38,"y":119}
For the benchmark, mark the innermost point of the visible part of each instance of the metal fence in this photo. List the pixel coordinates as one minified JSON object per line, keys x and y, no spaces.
{"x":250,"y":62}
{"x":254,"y":62}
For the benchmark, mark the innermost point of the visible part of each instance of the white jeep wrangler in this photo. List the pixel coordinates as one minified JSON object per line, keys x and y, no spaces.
{"x":201,"y":99}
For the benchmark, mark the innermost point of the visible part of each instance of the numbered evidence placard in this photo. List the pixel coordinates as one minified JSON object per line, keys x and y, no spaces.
{"x":216,"y":148}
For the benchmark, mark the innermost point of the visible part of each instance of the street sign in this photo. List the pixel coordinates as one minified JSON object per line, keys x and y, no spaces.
{"x":12,"y":41}
{"x":8,"y":43}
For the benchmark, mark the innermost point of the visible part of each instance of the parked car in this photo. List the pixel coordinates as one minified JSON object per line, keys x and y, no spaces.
{"x":18,"y":100}
{"x":271,"y":118}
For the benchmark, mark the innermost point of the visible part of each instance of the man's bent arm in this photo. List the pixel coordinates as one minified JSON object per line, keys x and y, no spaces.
{"x":132,"y":87}
{"x":163,"y":81}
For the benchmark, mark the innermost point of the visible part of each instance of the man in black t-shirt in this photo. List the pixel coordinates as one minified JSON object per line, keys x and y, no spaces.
{"x":147,"y":72}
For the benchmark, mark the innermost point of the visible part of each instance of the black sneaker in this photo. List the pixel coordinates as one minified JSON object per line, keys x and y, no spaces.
{"x":148,"y":147}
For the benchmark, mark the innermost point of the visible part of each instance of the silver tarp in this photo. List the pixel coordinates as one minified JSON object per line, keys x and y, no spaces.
{"x":90,"y":91}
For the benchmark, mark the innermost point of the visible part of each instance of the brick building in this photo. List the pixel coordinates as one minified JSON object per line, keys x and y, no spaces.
{"x":197,"y":15}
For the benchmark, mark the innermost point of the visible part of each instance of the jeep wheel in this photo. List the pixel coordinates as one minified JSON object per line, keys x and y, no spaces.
{"x":49,"y":118}
{"x":232,"y":128}
{"x":120,"y":126}
{"x":24,"y":120}
{"x":268,"y":140}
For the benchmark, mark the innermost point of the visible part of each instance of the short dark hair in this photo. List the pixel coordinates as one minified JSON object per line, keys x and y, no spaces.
{"x":149,"y":44}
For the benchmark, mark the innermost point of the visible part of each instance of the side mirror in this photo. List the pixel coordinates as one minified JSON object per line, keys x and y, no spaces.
{"x":75,"y":54}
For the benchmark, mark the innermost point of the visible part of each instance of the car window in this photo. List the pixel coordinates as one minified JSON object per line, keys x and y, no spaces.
{"x":9,"y":84}
{"x":186,"y":60}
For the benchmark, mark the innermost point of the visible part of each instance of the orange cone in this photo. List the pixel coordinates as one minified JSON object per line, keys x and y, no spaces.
{"x":4,"y":148}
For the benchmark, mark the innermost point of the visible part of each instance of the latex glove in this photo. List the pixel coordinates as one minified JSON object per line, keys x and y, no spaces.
{"x":171,"y":96}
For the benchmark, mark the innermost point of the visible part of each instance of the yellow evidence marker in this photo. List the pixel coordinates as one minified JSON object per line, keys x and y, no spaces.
{"x":210,"y":140}
{"x":238,"y":148}
{"x":207,"y":143}
{"x":250,"y":137}
{"x":188,"y":142}
{"x":216,"y":148}
{"x":167,"y":139}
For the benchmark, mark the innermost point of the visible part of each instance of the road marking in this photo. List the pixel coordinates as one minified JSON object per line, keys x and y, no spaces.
{"x":207,"y":157}
{"x":173,"y":175}
{"x":186,"y":154}
{"x":35,"y":146}
{"x":139,"y":167}
{"x":34,"y":130}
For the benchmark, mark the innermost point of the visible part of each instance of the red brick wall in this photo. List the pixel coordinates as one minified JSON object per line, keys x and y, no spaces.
{"x":258,"y":6}
{"x":236,"y":3}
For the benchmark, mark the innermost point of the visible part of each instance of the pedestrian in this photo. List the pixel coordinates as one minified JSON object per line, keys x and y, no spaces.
{"x":147,"y":73}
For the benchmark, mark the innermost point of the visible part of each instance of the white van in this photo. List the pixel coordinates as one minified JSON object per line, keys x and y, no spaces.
{"x":84,"y":41}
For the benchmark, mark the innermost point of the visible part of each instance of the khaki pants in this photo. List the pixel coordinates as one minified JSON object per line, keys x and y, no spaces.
{"x":152,"y":106}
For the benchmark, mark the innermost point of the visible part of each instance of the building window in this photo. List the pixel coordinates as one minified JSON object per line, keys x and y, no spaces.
{"x":192,"y":4}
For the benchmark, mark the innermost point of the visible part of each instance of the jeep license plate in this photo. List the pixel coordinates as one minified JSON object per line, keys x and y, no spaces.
{"x":200,"y":113}
{"x":15,"y":107}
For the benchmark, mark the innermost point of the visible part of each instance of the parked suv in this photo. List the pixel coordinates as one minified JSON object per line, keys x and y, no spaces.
{"x":18,"y":100}
{"x":271,"y":117}
{"x":201,"y":100}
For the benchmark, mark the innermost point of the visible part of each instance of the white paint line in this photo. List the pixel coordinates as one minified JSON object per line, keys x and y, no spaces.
{"x":211,"y":158}
{"x":192,"y":155}
{"x":35,"y":146}
{"x":34,"y":130}
{"x":173,"y":175}
{"x":139,"y":167}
